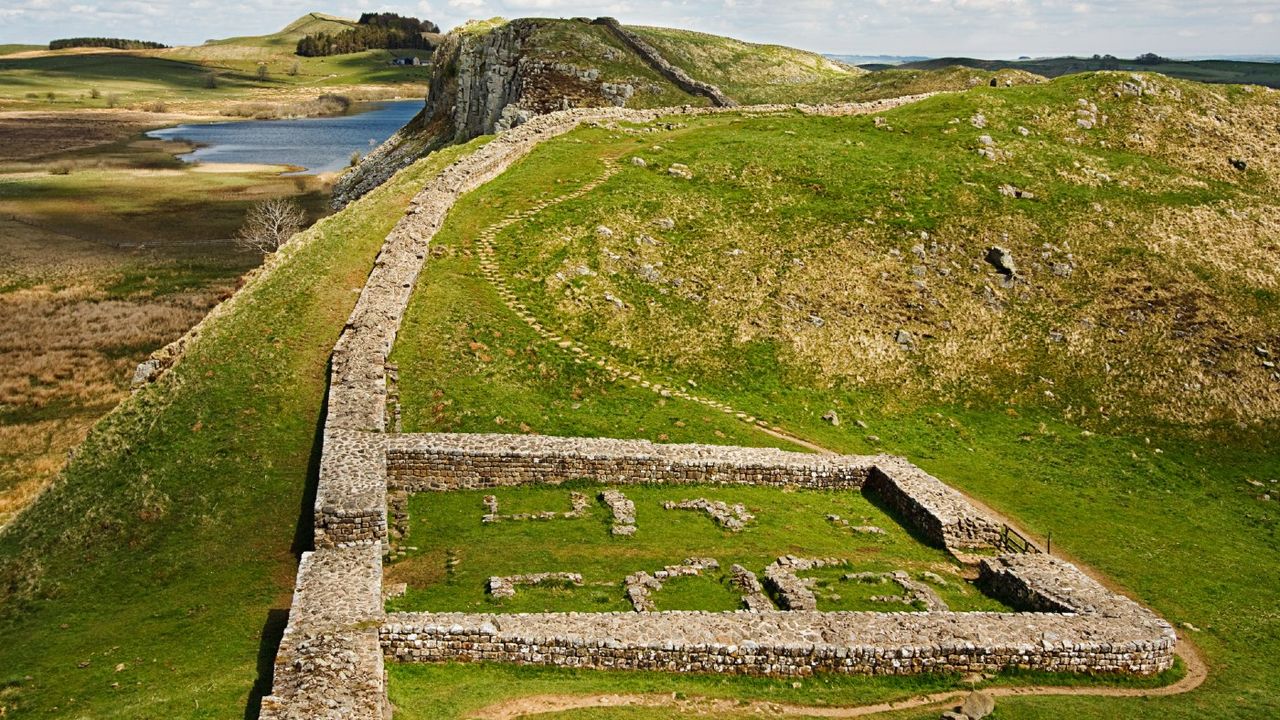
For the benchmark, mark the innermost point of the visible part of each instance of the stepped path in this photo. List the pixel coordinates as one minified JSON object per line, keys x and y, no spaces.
{"x":492,"y":272}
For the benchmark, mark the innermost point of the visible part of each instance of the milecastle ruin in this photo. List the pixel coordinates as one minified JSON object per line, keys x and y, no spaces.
{"x":330,"y":660}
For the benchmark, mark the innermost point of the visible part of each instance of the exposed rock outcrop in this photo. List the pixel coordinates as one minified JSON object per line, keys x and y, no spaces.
{"x":494,"y":76}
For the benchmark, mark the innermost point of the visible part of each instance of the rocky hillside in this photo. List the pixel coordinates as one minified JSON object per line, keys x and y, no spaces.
{"x":495,"y":74}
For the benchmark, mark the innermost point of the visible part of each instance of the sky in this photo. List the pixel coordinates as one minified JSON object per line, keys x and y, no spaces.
{"x":936,"y":28}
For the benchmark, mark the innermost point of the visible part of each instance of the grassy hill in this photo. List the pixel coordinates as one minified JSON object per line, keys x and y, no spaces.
{"x":286,"y":39}
{"x":68,"y":79}
{"x":150,"y":581}
{"x":789,"y":271}
{"x":1208,"y":71}
{"x":192,"y":499}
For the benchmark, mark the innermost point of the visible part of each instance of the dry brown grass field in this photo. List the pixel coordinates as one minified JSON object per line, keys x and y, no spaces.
{"x":110,"y":248}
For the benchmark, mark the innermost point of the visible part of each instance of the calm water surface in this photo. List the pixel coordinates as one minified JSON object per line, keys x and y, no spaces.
{"x":318,"y":145}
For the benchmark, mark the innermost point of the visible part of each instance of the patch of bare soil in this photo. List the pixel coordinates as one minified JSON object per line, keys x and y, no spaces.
{"x":28,"y":135}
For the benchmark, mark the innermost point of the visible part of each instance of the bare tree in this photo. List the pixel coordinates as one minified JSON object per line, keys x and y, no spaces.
{"x":270,"y":224}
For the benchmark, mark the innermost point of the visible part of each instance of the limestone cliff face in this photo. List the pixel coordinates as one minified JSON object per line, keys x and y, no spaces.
{"x":492,"y":78}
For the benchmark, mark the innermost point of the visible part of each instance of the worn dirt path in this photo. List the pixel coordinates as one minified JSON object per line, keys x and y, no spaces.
{"x":534,"y":705}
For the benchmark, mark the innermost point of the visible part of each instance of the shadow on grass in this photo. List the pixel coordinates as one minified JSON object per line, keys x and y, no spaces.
{"x":304,"y":535}
{"x":272,"y":632}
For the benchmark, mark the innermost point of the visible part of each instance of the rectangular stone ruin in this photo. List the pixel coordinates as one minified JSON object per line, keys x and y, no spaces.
{"x":330,"y":661}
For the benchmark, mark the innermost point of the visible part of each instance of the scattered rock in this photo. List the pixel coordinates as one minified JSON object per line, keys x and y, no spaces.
{"x":1002,"y":261}
{"x":1016,"y":192}
{"x":1023,"y":131}
{"x":603,"y":231}
{"x":860,"y":423}
{"x":638,"y":161}
{"x":1190,"y":627}
{"x":664,"y":223}
{"x":978,"y":120}
{"x":147,"y":371}
{"x":978,"y":705}
{"x":831,"y":417}
{"x":680,"y":170}
{"x":904,"y":338}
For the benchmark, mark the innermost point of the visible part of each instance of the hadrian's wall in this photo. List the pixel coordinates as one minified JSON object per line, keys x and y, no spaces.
{"x":932,"y":507}
{"x":655,"y":60}
{"x":435,"y":462}
{"x":1091,"y":629}
{"x":329,"y":663}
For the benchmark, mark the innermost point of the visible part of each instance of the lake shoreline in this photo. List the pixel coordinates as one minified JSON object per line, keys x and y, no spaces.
{"x":314,"y":145}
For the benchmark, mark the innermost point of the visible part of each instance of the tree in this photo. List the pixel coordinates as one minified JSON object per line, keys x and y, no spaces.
{"x":263,"y":72}
{"x":270,"y":224}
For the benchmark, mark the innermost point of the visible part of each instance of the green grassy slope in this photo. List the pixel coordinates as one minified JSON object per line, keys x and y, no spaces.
{"x":753,"y":74}
{"x":286,"y":40}
{"x":1209,"y":71}
{"x":142,"y":584}
{"x":1180,"y":514}
{"x":182,"y":73}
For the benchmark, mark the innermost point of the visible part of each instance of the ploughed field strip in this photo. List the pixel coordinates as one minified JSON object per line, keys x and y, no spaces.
{"x":330,"y":661}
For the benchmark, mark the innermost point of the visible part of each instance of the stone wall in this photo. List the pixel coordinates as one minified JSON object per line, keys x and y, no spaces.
{"x":433,"y":462}
{"x":664,"y":68}
{"x":329,"y":664}
{"x":937,"y":511}
{"x":786,"y":643}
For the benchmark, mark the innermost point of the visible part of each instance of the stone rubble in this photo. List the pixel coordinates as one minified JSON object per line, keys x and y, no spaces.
{"x":858,"y":529}
{"x":577,"y":501}
{"x":639,"y":585}
{"x":623,"y":509}
{"x":754,"y":598}
{"x":794,"y":592}
{"x":504,"y":586}
{"x":914,"y":592}
{"x":730,"y":517}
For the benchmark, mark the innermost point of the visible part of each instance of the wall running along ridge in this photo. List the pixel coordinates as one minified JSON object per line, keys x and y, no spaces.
{"x":664,"y":68}
{"x":330,"y":660}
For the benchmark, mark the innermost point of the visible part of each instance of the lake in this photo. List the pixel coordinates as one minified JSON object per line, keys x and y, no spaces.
{"x":318,"y":145}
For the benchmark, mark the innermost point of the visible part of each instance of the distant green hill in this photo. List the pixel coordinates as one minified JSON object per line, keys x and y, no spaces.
{"x":1210,"y":71}
{"x":68,"y":79}
{"x":286,"y":39}
{"x":17,"y":48}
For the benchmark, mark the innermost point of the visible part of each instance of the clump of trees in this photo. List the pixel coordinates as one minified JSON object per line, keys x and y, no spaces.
{"x":270,"y":224}
{"x":103,"y":42}
{"x":375,"y":31}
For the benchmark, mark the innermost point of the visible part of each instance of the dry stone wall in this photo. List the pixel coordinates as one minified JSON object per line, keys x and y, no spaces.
{"x":937,"y":511}
{"x":659,"y":63}
{"x":789,"y":643}
{"x":437,"y":462}
{"x":329,"y":664}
